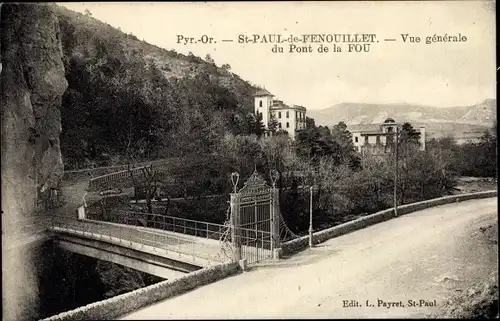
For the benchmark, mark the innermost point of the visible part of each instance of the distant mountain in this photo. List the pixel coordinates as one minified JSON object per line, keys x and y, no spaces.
{"x":455,"y":121}
{"x":483,"y":113}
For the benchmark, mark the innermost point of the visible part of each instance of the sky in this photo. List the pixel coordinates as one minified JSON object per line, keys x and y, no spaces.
{"x":436,"y":74}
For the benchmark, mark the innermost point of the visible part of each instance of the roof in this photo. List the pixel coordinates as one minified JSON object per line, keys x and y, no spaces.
{"x":360,"y":128}
{"x":263,"y":92}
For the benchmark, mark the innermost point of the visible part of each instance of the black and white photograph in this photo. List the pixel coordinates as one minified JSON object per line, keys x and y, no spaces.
{"x":249,"y":160}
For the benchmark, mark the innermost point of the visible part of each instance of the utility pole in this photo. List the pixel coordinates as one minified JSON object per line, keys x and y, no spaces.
{"x":396,"y":174}
{"x":311,"y":214}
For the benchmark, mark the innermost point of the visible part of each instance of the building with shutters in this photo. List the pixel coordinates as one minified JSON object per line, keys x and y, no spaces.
{"x":289,"y":118}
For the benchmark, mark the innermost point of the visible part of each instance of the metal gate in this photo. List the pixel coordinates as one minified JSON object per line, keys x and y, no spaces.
{"x":252,"y":220}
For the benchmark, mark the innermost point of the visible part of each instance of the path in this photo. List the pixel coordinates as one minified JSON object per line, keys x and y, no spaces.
{"x":425,"y":255}
{"x":72,"y":196}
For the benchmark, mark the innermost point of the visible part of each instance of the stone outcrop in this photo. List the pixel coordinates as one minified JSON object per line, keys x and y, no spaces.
{"x":32,"y":84}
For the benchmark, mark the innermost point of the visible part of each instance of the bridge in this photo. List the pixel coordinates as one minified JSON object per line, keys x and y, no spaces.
{"x":168,"y":246}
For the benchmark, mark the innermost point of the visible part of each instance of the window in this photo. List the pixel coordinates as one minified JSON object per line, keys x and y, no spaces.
{"x":260,"y":103}
{"x":356,"y":139}
{"x":287,"y":115}
{"x":287,"y":125}
{"x":296,"y":114}
{"x":279,"y":114}
{"x":279,"y":125}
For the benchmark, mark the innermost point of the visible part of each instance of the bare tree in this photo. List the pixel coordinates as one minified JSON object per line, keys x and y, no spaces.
{"x":131,"y":155}
{"x":150,"y":185}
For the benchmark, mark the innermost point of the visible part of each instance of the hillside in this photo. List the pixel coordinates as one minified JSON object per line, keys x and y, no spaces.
{"x":127,"y":95}
{"x":450,"y":120}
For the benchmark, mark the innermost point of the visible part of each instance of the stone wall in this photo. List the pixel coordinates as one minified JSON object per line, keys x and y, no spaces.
{"x":119,"y":305}
{"x":301,"y":243}
{"x":32,"y":82}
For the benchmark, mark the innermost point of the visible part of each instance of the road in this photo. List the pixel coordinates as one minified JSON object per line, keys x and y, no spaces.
{"x":426,"y":255}
{"x":73,"y":195}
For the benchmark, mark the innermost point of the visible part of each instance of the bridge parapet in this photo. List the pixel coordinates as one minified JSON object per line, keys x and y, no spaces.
{"x":199,"y":229}
{"x":162,"y":243}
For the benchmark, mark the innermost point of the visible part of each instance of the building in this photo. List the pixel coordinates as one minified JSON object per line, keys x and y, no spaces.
{"x":377,"y":138}
{"x":289,"y":118}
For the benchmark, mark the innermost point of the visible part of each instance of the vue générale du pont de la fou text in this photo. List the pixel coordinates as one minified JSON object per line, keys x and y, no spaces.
{"x":302,"y":43}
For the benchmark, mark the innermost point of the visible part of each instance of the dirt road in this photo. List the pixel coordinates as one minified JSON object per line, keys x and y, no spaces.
{"x":426,"y":256}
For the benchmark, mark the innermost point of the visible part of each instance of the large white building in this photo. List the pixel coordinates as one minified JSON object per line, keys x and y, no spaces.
{"x":289,"y":118}
{"x":377,"y":138}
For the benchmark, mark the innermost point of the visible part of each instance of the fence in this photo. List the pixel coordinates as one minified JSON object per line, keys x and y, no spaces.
{"x":255,"y":245}
{"x":163,"y":222}
{"x":96,"y":182}
{"x":129,"y":236}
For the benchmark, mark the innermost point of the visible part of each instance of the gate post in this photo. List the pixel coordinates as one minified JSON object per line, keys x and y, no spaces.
{"x":275,"y":223}
{"x":235,"y":224}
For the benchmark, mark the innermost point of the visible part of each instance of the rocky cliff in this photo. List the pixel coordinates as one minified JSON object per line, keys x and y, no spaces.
{"x":32,"y":84}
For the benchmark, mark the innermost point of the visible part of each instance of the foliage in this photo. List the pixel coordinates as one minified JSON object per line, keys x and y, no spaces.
{"x":129,"y":102}
{"x":120,"y":88}
{"x":477,"y":159}
{"x":315,"y":143}
{"x":259,"y":128}
{"x":208,"y":58}
{"x":272,"y":124}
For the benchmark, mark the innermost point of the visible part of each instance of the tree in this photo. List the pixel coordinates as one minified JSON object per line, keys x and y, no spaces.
{"x":226,"y":67}
{"x":408,"y":144}
{"x":343,"y":138}
{"x":478,"y":158}
{"x":409,"y":135}
{"x":311,"y":144}
{"x":258,"y":127}
{"x":277,"y":154}
{"x":208,"y":58}
{"x":310,"y":123}
{"x":272,"y":124}
{"x":150,"y":179}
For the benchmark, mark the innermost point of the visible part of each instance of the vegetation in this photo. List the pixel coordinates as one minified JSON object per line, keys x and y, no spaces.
{"x":129,"y":101}
{"x":125,"y":94}
{"x":476,"y":159}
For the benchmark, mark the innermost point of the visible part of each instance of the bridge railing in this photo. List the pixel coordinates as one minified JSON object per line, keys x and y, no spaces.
{"x":201,"y":229}
{"x":129,"y":236}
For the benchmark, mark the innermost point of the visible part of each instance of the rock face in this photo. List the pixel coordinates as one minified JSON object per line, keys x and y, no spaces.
{"x":118,"y":279}
{"x":32,"y":84}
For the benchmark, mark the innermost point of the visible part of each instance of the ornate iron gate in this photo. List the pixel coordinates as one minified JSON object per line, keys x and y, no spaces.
{"x":253,"y":211}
